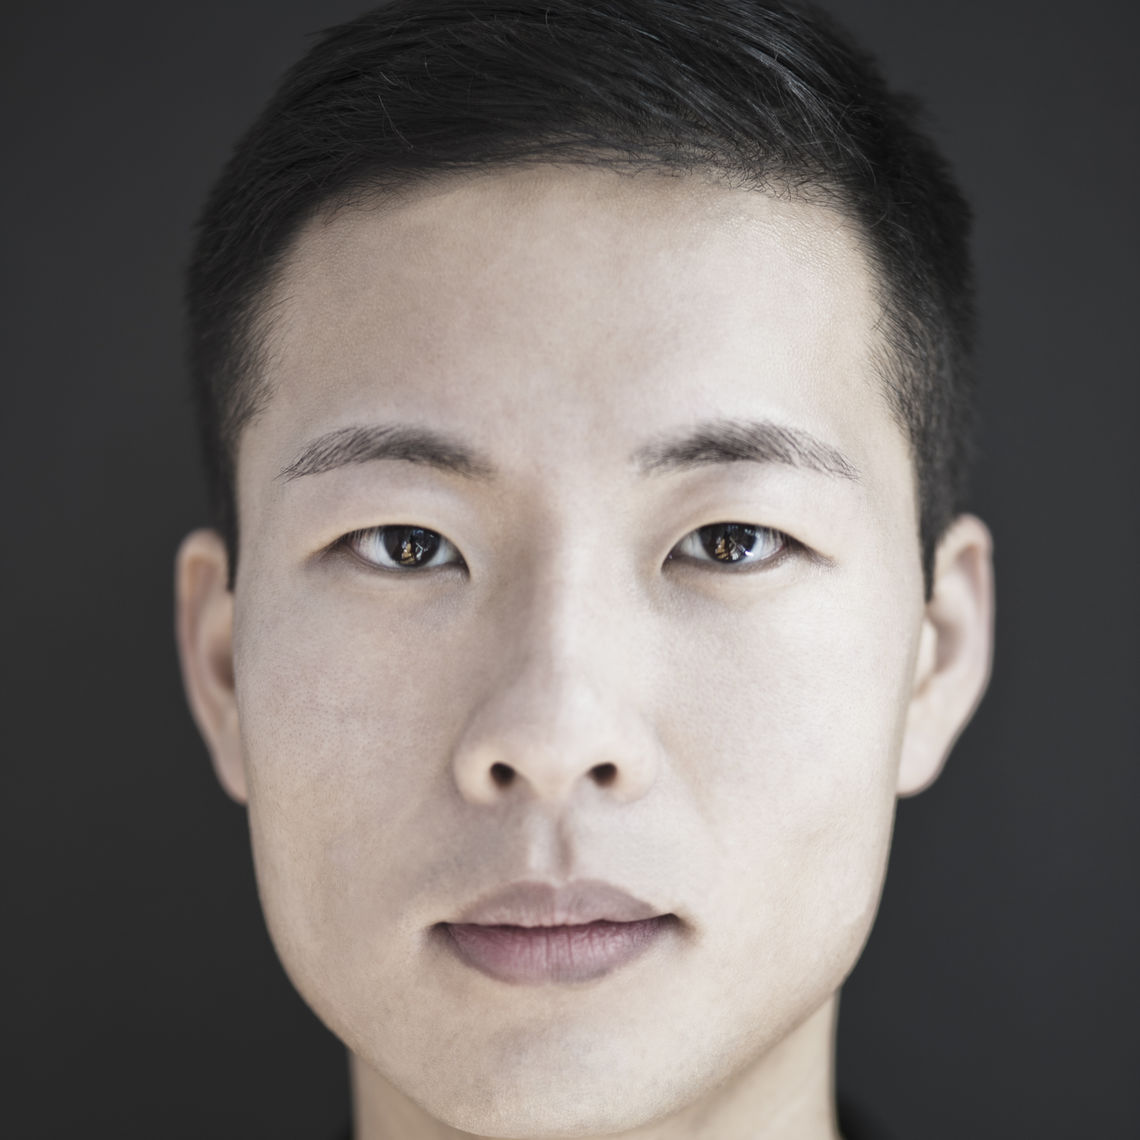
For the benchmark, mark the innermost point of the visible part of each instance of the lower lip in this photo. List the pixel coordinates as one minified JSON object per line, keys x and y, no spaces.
{"x":531,"y":955}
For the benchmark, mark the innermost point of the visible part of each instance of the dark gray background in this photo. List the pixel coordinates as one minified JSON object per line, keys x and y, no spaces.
{"x":998,"y":995}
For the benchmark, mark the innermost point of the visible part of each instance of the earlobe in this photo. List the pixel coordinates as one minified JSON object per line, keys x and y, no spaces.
{"x":204,"y":621}
{"x":955,"y":652}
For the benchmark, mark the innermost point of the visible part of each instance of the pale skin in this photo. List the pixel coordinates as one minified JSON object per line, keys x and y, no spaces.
{"x":761,"y":720}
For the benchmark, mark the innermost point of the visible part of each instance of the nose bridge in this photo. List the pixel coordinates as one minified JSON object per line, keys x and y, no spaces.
{"x":558,"y":664}
{"x":558,"y":708}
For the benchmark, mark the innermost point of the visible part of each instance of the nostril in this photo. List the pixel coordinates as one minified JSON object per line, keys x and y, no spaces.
{"x":605,"y":774}
{"x":502,"y":774}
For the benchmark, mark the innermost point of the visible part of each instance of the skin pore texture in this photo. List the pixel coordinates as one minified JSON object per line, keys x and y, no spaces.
{"x":759,"y":718}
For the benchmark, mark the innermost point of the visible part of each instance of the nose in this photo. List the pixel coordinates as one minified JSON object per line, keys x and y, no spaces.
{"x":562,"y":711}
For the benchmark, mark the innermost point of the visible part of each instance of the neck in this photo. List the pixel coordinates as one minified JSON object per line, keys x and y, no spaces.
{"x":786,"y":1093}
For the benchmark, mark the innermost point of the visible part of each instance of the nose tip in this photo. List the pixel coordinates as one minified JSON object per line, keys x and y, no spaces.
{"x":580,"y":742}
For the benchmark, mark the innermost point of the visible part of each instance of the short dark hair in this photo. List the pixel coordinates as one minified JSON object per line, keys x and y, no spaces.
{"x":771,"y":95}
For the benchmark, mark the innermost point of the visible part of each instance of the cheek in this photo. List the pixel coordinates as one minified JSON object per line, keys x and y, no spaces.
{"x":343,"y":733}
{"x":335,"y":692}
{"x":796,"y":715}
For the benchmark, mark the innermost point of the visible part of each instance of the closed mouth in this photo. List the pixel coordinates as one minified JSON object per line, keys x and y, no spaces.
{"x":552,"y":954}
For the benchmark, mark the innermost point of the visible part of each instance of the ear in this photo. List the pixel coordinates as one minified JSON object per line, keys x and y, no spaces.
{"x":204,"y":624}
{"x":955,"y":652}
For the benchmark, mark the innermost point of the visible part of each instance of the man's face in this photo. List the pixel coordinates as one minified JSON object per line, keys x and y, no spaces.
{"x":580,"y":683}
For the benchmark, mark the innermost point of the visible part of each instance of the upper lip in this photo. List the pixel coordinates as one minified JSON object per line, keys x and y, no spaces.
{"x":543,"y":904}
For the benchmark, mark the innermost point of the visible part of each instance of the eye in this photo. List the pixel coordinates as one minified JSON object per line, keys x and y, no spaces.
{"x":401,"y":548}
{"x":734,"y":544}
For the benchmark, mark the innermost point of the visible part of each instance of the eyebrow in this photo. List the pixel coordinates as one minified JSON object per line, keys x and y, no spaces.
{"x":706,"y":444}
{"x":752,"y":441}
{"x":349,"y":445}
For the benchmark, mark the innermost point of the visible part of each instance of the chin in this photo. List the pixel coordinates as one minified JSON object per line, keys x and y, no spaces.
{"x":579,"y":1085}
{"x":550,"y":1108}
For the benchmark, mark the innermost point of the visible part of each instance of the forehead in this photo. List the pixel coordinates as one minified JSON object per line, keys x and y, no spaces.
{"x":610,"y":307}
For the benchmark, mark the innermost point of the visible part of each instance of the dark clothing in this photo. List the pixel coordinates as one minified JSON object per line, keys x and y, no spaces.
{"x":855,"y":1124}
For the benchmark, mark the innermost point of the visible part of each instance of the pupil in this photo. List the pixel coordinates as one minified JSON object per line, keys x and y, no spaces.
{"x":410,"y":545}
{"x":730,"y":542}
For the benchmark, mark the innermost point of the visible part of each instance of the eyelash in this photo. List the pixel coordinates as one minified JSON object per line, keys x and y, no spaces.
{"x":414,"y":541}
